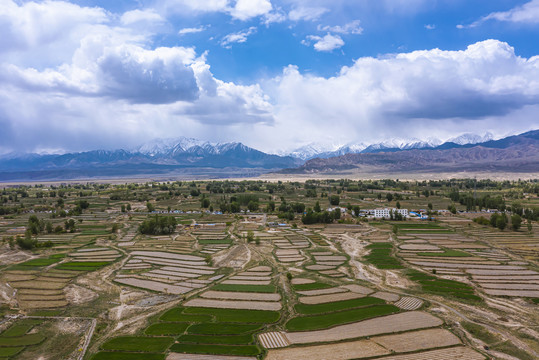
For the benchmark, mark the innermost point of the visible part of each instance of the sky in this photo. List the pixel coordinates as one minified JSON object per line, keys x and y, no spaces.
{"x":274,"y":74}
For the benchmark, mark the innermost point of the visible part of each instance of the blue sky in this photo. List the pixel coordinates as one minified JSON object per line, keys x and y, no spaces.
{"x":274,"y":74}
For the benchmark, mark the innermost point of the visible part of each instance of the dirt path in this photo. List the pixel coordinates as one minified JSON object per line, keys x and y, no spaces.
{"x":88,"y":339}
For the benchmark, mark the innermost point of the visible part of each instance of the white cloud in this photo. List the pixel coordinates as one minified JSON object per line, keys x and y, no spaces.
{"x":327,"y":43}
{"x":276,"y":16}
{"x":527,"y":14}
{"x":307,"y":13}
{"x":247,"y":9}
{"x":139,"y":16}
{"x":195,"y":30}
{"x":45,"y":32}
{"x":430,"y":26}
{"x":353,"y":27}
{"x":194,"y":5}
{"x":421,"y":94}
{"x":238,"y":37}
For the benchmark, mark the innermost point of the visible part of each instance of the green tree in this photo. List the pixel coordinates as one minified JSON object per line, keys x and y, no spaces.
{"x":150,"y":207}
{"x":501,"y":222}
{"x":205,"y":203}
{"x":158,"y":225}
{"x":334,"y":200}
{"x":398,"y":205}
{"x":27,"y":242}
{"x":253,"y":206}
{"x":49,"y":227}
{"x":250,"y":236}
{"x":337,"y":213}
{"x":356,"y":210}
{"x":317,"y":207}
{"x":493,"y":219}
{"x":389,"y":197}
{"x":516,"y":222}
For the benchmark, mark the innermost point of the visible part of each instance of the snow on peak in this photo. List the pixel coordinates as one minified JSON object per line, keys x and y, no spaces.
{"x":469,"y":138}
{"x":165,"y":146}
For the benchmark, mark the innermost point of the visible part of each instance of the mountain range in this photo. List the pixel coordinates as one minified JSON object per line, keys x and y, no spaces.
{"x":314,"y":150}
{"x":197,"y":158}
{"x":518,"y":153}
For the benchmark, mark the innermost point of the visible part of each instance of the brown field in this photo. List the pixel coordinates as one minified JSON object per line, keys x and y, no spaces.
{"x":459,"y":352}
{"x":234,"y":304}
{"x":342,"y":351}
{"x":417,"y":340}
{"x":232,"y":295}
{"x":383,"y":325}
{"x":321,"y":299}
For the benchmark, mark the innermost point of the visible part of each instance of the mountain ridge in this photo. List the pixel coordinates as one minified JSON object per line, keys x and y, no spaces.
{"x":513,"y":154}
{"x":174,"y":156}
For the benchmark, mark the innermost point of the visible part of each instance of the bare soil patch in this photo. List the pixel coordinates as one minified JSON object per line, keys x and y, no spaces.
{"x":321,"y":299}
{"x":236,"y":304}
{"x":232,"y":295}
{"x":418,"y":340}
{"x":382,"y":325}
{"x":343,"y":351}
{"x":459,"y":352}
{"x":76,"y":294}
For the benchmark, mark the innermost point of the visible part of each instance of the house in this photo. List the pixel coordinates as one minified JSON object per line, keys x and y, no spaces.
{"x":386,"y":213}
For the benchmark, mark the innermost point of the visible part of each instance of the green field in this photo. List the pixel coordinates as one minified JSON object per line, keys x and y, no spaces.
{"x":443,"y":287}
{"x":311,"y":286}
{"x":381,"y":256}
{"x":222,"y":328}
{"x":220,"y":340}
{"x":324,"y":321}
{"x":241,"y":350}
{"x":25,"y":340}
{"x":177,"y":314}
{"x":126,"y":356}
{"x":337,"y":306}
{"x":240,"y":316}
{"x":6,"y":352}
{"x":167,"y":328}
{"x":138,"y":343}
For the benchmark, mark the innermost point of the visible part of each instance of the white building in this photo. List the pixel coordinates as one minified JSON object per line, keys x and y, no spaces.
{"x":386,"y":213}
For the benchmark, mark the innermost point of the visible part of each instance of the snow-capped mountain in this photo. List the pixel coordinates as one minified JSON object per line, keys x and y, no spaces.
{"x":312,"y":151}
{"x":166,"y":146}
{"x":468,"y":138}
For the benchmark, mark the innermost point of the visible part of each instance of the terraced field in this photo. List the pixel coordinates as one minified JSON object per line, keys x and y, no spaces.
{"x":253,"y":286}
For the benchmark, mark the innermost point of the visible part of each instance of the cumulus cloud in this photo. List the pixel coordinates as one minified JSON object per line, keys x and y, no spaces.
{"x":194,"y":5}
{"x":238,"y":37}
{"x":160,"y":76}
{"x":430,"y":26}
{"x":238,"y":9}
{"x":326,"y":43}
{"x":192,"y":30}
{"x":307,"y":13}
{"x":389,"y":95}
{"x":141,"y":16}
{"x":526,"y":14}
{"x":353,"y":27}
{"x":37,"y":33}
{"x":111,"y":88}
{"x":246,"y":9}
